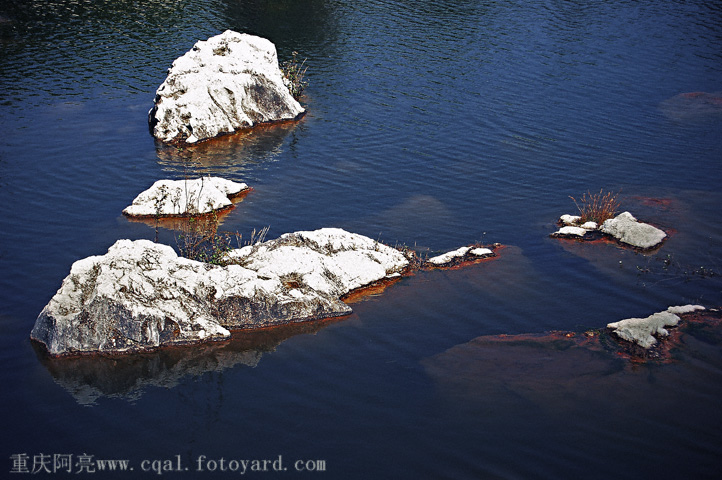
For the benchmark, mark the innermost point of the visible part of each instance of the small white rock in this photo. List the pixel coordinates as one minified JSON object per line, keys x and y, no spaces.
{"x":625,"y":228}
{"x":641,"y":330}
{"x":680,"y":309}
{"x":570,"y":219}
{"x":183,"y":197}
{"x":449,"y":256}
{"x":571,"y":231}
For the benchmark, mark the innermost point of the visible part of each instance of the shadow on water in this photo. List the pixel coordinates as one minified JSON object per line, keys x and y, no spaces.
{"x":89,"y":378}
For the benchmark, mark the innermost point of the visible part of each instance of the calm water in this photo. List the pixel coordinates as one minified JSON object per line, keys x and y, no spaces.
{"x":431,"y":124}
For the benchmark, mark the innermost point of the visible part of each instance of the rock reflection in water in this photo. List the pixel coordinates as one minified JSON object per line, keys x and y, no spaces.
{"x":89,"y":378}
{"x":197,"y":223}
{"x":228,"y":156}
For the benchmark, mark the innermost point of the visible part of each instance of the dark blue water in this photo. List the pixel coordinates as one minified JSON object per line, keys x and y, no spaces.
{"x":431,"y":124}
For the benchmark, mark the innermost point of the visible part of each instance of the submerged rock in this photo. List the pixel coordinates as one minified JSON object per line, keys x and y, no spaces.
{"x":228,"y":82}
{"x":185,"y":197}
{"x":691,"y":106}
{"x":624,"y":228}
{"x":642,"y":331}
{"x":141,"y":295}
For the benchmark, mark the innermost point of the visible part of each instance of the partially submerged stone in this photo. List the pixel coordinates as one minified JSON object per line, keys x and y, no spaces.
{"x":449,"y":256}
{"x":642,"y":331}
{"x":567,"y":219}
{"x":570,"y":231}
{"x":141,"y":295}
{"x":223,"y":84}
{"x":625,"y":228}
{"x":185,"y":197}
{"x":137,"y":296}
{"x":458,"y":254}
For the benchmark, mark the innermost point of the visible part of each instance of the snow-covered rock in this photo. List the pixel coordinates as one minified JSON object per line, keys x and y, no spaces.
{"x":682,"y":309}
{"x":329,"y":261}
{"x":228,"y":82}
{"x":459,"y":253}
{"x":184,"y":197}
{"x":570,"y":231}
{"x":642,"y":330}
{"x":625,"y":228}
{"x":481,"y":251}
{"x":567,"y":219}
{"x":449,"y":256}
{"x":138,"y":295}
{"x":141,"y":295}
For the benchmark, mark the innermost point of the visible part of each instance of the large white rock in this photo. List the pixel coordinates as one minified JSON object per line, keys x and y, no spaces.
{"x":330,"y":261}
{"x":625,"y":228}
{"x":642,"y":330}
{"x":228,"y":82}
{"x":183,"y":197}
{"x":141,"y":295}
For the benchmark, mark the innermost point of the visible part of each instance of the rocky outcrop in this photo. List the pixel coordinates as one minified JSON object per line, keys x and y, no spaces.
{"x":643,"y":331}
{"x":223,"y":84}
{"x":141,"y":295}
{"x":624,"y":228}
{"x":185,"y":197}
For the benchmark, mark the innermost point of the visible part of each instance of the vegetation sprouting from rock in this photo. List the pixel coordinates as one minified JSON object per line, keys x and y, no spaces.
{"x":200,"y":240}
{"x":597,"y":207}
{"x":294,"y":74}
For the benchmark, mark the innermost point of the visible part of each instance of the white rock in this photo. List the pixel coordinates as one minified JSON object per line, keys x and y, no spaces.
{"x":570,"y":219}
{"x":330,"y":260}
{"x":641,"y":330}
{"x":590,"y":225}
{"x":135,"y":296}
{"x":183,"y":197}
{"x":449,"y":256}
{"x":681,"y":309}
{"x":480,"y":252}
{"x":141,"y":295}
{"x":625,"y":228}
{"x":570,"y":231}
{"x":228,"y":82}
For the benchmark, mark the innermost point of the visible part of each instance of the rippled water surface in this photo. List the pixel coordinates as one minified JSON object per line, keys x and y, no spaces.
{"x":430,"y":124}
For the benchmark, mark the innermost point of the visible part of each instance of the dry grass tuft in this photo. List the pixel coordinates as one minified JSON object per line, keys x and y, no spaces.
{"x":294,"y":73}
{"x":597,"y":207}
